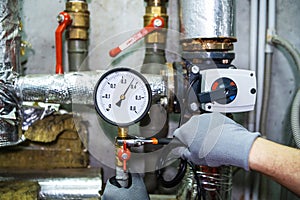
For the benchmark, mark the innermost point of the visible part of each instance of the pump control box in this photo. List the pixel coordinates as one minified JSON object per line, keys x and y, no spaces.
{"x":236,"y":89}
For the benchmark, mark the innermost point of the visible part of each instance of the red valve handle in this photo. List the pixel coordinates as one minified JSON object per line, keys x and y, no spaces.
{"x":64,"y":20}
{"x":156,"y":23}
{"x":124,"y":155}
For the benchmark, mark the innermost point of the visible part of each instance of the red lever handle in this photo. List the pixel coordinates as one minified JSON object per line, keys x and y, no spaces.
{"x":124,"y":155}
{"x":64,"y":20}
{"x":156,"y":23}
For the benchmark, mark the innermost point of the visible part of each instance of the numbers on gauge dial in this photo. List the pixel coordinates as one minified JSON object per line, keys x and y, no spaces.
{"x":122,"y":97}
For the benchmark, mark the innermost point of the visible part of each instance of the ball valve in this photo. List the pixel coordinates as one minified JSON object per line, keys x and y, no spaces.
{"x":64,"y":20}
{"x":156,"y":23}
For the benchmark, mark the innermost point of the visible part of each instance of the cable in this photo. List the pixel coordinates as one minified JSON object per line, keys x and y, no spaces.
{"x":295,"y":119}
{"x":178,"y":177}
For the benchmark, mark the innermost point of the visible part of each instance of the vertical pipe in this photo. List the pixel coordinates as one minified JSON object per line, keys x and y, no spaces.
{"x":10,"y":112}
{"x":253,"y":52}
{"x":204,"y":24}
{"x":261,"y":57}
{"x":260,"y":75}
{"x":77,"y":35}
{"x":155,"y":63}
{"x":268,"y":65}
{"x":122,"y":176}
{"x":9,"y":38}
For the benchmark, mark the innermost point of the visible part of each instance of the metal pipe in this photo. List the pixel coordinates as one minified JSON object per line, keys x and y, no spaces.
{"x":77,"y":35}
{"x":74,"y":87}
{"x":9,"y":39}
{"x":208,"y":18}
{"x":268,"y":66}
{"x":60,"y":183}
{"x":252,"y":114}
{"x":10,"y":112}
{"x":261,"y":58}
{"x":208,"y":33}
{"x":253,"y":52}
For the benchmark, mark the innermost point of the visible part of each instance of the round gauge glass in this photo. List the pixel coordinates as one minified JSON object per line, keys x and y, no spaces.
{"x":122,"y":96}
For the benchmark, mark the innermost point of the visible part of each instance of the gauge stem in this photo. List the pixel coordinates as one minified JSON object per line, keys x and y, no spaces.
{"x":122,"y":175}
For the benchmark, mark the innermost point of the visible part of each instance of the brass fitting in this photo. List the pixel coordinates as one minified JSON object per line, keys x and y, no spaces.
{"x":122,"y":132}
{"x":156,"y":8}
{"x":215,"y":44}
{"x":78,"y":10}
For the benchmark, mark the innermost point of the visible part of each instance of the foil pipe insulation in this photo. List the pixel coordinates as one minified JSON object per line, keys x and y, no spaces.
{"x":207,"y":18}
{"x":9,"y":39}
{"x":10,"y":112}
{"x":73,"y":87}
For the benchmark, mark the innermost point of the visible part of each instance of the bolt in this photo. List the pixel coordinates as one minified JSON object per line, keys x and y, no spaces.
{"x":164,"y":101}
{"x":194,"y":106}
{"x":124,"y":156}
{"x":195,"y":69}
{"x":157,"y":23}
{"x":60,"y":18}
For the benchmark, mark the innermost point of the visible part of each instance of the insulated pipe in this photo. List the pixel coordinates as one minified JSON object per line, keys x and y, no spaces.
{"x":208,"y":18}
{"x":9,"y":39}
{"x":10,"y":112}
{"x":75,"y":87}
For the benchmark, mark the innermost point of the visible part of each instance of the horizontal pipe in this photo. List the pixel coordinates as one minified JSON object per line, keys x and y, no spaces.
{"x":60,"y":183}
{"x":75,"y":87}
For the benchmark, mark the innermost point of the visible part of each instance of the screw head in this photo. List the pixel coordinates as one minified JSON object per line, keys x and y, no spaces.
{"x":195,"y":69}
{"x":157,"y":23}
{"x":194,"y":106}
{"x":60,"y":18}
{"x":124,"y":156}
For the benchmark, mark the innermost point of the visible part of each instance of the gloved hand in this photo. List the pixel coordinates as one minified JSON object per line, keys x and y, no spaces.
{"x":214,"y":140}
{"x":135,"y":191}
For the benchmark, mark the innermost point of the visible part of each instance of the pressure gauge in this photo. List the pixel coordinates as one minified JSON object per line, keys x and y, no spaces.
{"x":122,"y":97}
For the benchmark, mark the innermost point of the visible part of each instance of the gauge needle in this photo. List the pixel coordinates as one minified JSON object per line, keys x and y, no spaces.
{"x":122,"y":97}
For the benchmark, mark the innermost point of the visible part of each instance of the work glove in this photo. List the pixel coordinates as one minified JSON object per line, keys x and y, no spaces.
{"x":135,"y":191}
{"x":214,"y":140}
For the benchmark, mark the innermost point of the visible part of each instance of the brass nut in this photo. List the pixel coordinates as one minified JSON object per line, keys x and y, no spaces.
{"x":225,"y":44}
{"x":76,"y":7}
{"x":158,"y":10}
{"x":156,"y":37}
{"x":77,"y":33}
{"x":80,"y":19}
{"x":154,"y":11}
{"x":122,"y":132}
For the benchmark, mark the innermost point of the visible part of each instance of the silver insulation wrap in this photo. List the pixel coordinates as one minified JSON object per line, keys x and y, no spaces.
{"x":10,"y":104}
{"x":10,"y":115}
{"x":57,"y":184}
{"x":9,"y":38}
{"x":207,"y":18}
{"x":76,"y":87}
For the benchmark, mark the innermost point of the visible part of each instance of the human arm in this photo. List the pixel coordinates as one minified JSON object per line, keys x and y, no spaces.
{"x":215,"y":140}
{"x":280,"y":162}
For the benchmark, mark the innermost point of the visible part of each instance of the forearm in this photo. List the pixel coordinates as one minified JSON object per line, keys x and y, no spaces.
{"x":280,"y":162}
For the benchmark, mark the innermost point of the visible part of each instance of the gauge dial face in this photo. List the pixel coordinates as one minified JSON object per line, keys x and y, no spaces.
{"x":122,"y":96}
